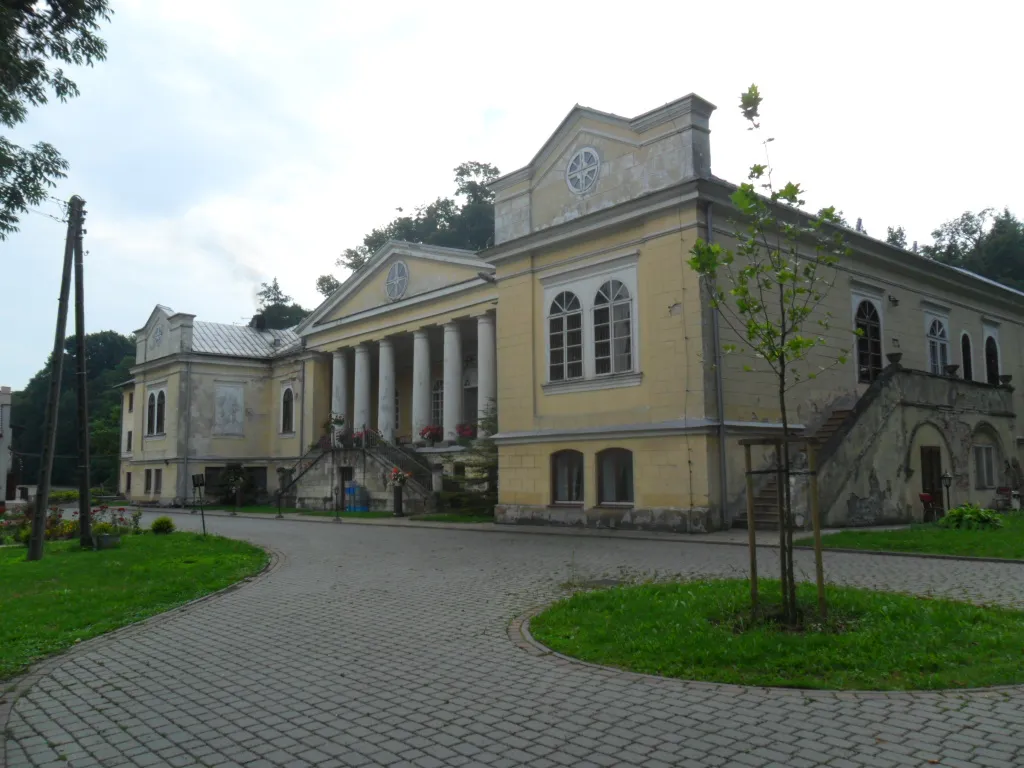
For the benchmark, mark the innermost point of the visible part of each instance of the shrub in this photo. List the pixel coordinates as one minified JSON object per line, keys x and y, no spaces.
{"x":98,"y":529}
{"x":136,"y":519}
{"x":971,"y":517}
{"x":162,"y":525}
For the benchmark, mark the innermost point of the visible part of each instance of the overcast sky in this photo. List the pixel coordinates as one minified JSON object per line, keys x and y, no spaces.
{"x":225,"y":142}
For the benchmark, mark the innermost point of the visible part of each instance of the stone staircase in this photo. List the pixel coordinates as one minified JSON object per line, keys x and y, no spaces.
{"x":766,"y":510}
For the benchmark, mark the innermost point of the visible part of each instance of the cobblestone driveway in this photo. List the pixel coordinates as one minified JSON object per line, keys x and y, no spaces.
{"x":389,"y":646}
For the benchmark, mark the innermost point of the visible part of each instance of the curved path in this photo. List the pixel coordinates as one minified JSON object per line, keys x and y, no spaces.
{"x":389,"y":646}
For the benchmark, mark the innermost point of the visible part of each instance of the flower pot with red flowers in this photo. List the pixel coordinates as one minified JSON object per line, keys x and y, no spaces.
{"x":397,"y":480}
{"x":465,"y":433}
{"x":431,"y":434}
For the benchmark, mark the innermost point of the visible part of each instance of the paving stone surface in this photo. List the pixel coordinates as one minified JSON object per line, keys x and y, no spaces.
{"x":390,"y":646}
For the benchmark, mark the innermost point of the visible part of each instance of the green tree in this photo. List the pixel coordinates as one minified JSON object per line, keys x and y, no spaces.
{"x":277,"y":308}
{"x":896,"y":236}
{"x":477,"y":489}
{"x":956,"y":239}
{"x":109,"y":359}
{"x":768,"y":291}
{"x":447,"y":221}
{"x":35,"y":34}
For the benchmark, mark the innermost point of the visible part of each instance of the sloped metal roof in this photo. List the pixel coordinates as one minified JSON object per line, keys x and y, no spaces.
{"x":241,"y":340}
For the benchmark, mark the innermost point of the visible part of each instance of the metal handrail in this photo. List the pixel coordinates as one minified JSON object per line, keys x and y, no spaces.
{"x":372,"y":441}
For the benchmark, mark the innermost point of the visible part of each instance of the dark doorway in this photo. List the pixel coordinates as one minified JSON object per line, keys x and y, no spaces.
{"x":991,"y":360}
{"x":931,"y":482}
{"x":966,"y":358}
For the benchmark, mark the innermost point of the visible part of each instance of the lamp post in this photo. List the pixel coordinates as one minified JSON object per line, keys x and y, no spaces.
{"x":947,"y":480}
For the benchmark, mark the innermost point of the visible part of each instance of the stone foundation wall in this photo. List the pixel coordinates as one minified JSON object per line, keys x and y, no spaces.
{"x":696,"y":520}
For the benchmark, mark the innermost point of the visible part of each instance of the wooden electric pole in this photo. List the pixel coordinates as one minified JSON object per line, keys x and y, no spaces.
{"x":35,"y":545}
{"x":84,"y":502}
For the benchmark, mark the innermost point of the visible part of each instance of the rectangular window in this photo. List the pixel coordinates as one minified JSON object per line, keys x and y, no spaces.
{"x":437,"y":404}
{"x":149,"y":481}
{"x":984,"y":466}
{"x":567,"y":477}
{"x":127,"y":483}
{"x":158,"y":480}
{"x":128,"y":441}
{"x":131,"y":402}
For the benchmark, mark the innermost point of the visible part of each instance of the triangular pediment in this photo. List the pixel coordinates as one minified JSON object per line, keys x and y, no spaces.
{"x":160,"y":312}
{"x":394,"y":275}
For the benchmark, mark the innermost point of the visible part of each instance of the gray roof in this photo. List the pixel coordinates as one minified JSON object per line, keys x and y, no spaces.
{"x":242,"y":340}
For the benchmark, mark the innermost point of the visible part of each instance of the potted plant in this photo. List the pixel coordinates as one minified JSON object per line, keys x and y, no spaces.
{"x":397,"y":479}
{"x":465,"y":433}
{"x":431,"y":434}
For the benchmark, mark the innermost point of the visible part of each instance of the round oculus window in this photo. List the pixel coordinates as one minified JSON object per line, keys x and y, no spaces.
{"x":398,"y":280}
{"x":582,"y":171}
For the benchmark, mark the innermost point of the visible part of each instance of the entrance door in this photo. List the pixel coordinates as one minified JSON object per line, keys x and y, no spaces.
{"x":931,"y":481}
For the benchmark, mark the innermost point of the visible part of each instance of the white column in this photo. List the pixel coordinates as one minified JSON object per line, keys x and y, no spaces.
{"x":420,"y":382}
{"x":386,"y":391}
{"x":339,"y":388}
{"x":486,"y":365}
{"x":452,"y":380}
{"x":361,"y":418}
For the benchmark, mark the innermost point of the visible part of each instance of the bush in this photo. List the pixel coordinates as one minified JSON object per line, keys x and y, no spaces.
{"x":98,"y":529}
{"x":162,"y":525}
{"x":971,"y":517}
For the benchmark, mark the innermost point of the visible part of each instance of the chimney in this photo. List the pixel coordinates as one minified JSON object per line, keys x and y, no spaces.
{"x":259,"y":322}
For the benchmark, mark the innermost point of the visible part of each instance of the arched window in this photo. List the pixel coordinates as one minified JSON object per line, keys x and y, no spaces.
{"x":567,"y":477}
{"x":966,"y":359}
{"x":437,"y":404}
{"x":938,"y":346}
{"x":151,"y":414}
{"x":615,"y":476}
{"x":565,"y":338}
{"x":287,"y":410}
{"x":991,"y":360}
{"x":613,"y":333}
{"x":161,"y":403}
{"x":869,"y":342}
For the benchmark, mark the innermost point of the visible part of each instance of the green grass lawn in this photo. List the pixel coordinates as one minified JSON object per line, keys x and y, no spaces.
{"x":451,"y":517}
{"x":1006,"y":542}
{"x":875,"y":640}
{"x":74,"y":594}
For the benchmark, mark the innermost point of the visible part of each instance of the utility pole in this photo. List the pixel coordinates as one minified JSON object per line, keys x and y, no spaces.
{"x":84,"y":502}
{"x":35,"y":546}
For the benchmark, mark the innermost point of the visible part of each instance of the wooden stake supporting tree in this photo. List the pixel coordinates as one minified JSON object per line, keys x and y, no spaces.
{"x":768,"y":290}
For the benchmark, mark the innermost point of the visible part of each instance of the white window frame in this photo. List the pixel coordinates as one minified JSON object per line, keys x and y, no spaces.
{"x":991,"y":329}
{"x":564,"y":315}
{"x":929,"y":318}
{"x":584,"y":281}
{"x":158,"y":481}
{"x":437,"y":403}
{"x":155,"y":391}
{"x":984,"y":459}
{"x":280,"y":422}
{"x":861,"y":294}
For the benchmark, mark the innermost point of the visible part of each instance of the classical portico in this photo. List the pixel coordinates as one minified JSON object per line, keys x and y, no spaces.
{"x":442,"y":374}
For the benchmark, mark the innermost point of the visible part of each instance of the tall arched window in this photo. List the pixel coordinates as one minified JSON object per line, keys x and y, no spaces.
{"x":869,"y":342}
{"x":966,"y":358}
{"x":151,"y":414}
{"x":161,"y":403}
{"x":938,"y":346}
{"x":613,"y":333}
{"x":991,"y":360}
{"x":615,"y":476}
{"x":567,"y":477}
{"x":287,"y":410}
{"x":437,"y":403}
{"x":565,"y":338}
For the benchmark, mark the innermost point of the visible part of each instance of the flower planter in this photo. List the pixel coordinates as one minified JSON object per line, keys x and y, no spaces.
{"x":398,"y":501}
{"x":894,"y":358}
{"x":106,"y":541}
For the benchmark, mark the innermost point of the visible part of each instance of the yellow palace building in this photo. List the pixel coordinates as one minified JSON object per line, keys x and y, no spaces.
{"x":588,"y":331}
